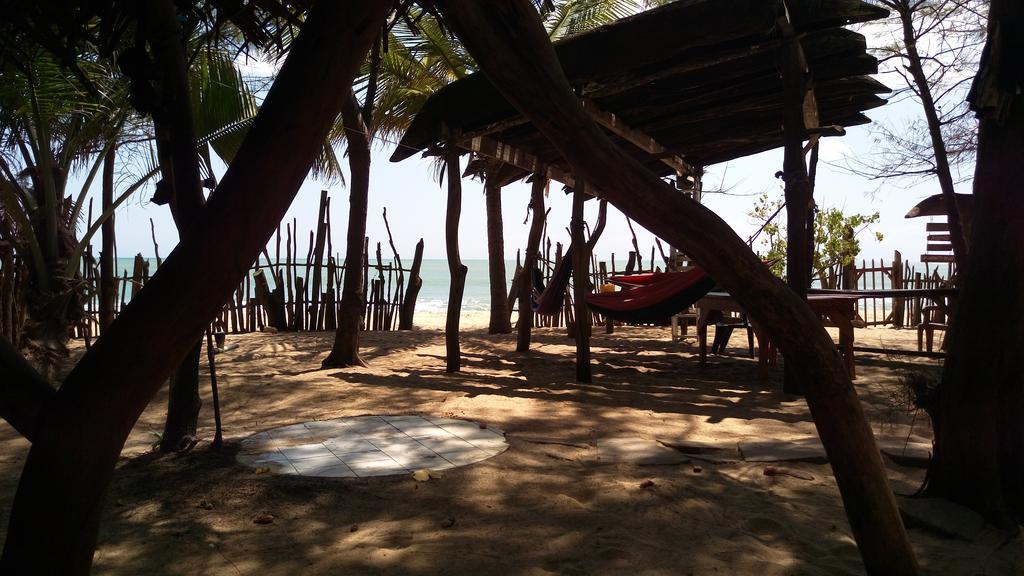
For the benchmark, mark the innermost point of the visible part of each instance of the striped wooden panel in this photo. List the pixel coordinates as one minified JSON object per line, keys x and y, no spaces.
{"x":937,"y":227}
{"x":937,"y":258}
{"x":940,"y":247}
{"x":939,"y":237}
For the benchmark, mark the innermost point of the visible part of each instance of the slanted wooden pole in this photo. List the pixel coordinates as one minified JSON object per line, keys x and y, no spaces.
{"x":525,"y":324}
{"x":456,"y":270}
{"x":581,"y":284}
{"x":508,"y":41}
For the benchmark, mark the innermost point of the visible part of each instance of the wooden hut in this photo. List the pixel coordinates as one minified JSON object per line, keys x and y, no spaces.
{"x":680,"y":87}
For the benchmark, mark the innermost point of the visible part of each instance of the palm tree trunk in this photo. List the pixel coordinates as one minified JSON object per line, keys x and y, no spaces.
{"x":345,"y":351}
{"x":82,"y":430}
{"x":979,"y":434}
{"x":174,"y":119}
{"x":509,"y":42}
{"x":500,"y":322}
{"x":525,"y":324}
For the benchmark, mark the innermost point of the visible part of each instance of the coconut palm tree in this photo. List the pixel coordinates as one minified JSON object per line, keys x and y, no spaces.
{"x":51,"y":126}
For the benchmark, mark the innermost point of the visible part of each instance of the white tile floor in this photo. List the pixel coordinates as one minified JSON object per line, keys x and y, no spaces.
{"x":362,"y":446}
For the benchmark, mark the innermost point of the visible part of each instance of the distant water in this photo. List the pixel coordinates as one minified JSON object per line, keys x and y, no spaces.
{"x":433,"y":295}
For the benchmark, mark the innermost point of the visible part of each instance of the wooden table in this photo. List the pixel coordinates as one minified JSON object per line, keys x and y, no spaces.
{"x":841,"y":309}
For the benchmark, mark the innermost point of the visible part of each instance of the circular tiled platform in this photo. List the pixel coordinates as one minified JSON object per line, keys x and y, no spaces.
{"x":362,"y":446}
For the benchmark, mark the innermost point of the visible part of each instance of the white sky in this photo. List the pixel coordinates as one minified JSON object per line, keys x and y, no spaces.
{"x":416,"y":205}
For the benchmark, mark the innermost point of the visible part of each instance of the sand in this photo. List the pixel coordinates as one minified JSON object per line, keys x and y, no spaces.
{"x":549,"y":505}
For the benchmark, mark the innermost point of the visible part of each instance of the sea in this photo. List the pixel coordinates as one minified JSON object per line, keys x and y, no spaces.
{"x":433,"y":295}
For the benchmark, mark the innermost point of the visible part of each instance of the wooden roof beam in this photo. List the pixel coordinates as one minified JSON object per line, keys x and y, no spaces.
{"x":639,"y":139}
{"x":491,"y":148}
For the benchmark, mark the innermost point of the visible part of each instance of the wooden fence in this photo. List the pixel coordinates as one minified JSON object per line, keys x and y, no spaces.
{"x":896,"y":274}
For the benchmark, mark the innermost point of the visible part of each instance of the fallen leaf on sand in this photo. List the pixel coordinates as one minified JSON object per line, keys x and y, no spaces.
{"x":263,"y":519}
{"x":647,"y":484}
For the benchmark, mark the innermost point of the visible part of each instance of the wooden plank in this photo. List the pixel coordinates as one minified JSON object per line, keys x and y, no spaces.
{"x":937,"y":227}
{"x":637,"y":138}
{"x":522,"y":159}
{"x":947,"y":258}
{"x":944,"y":247}
{"x":939,"y":237}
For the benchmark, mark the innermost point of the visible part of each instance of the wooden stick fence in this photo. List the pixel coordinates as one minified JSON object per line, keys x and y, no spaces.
{"x":293,"y":293}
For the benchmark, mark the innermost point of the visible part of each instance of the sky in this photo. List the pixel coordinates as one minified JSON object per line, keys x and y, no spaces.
{"x":416,"y":203}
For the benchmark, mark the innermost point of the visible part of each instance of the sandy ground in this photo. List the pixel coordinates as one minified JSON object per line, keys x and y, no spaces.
{"x":539,"y":508}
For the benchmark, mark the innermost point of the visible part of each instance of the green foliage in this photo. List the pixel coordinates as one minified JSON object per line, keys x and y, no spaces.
{"x":836,"y":237}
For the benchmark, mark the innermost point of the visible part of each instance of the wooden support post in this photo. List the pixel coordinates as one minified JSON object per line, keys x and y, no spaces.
{"x":581,"y":285}
{"x":456,"y":270}
{"x":499,"y":321}
{"x":525,"y":323}
{"x":798,"y":188}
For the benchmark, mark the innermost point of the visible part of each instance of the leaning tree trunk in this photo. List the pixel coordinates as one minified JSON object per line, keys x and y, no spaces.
{"x":345,"y":351}
{"x":508,"y":41}
{"x":81,"y":431}
{"x":525,"y":324}
{"x":979,"y":431}
{"x":500,"y":316}
{"x":175,"y":122}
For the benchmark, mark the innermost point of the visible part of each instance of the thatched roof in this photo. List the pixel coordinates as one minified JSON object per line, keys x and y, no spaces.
{"x":700,"y":77}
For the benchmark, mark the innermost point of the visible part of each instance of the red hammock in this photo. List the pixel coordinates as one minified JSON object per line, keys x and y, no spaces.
{"x":663,"y":295}
{"x":634,"y":280}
